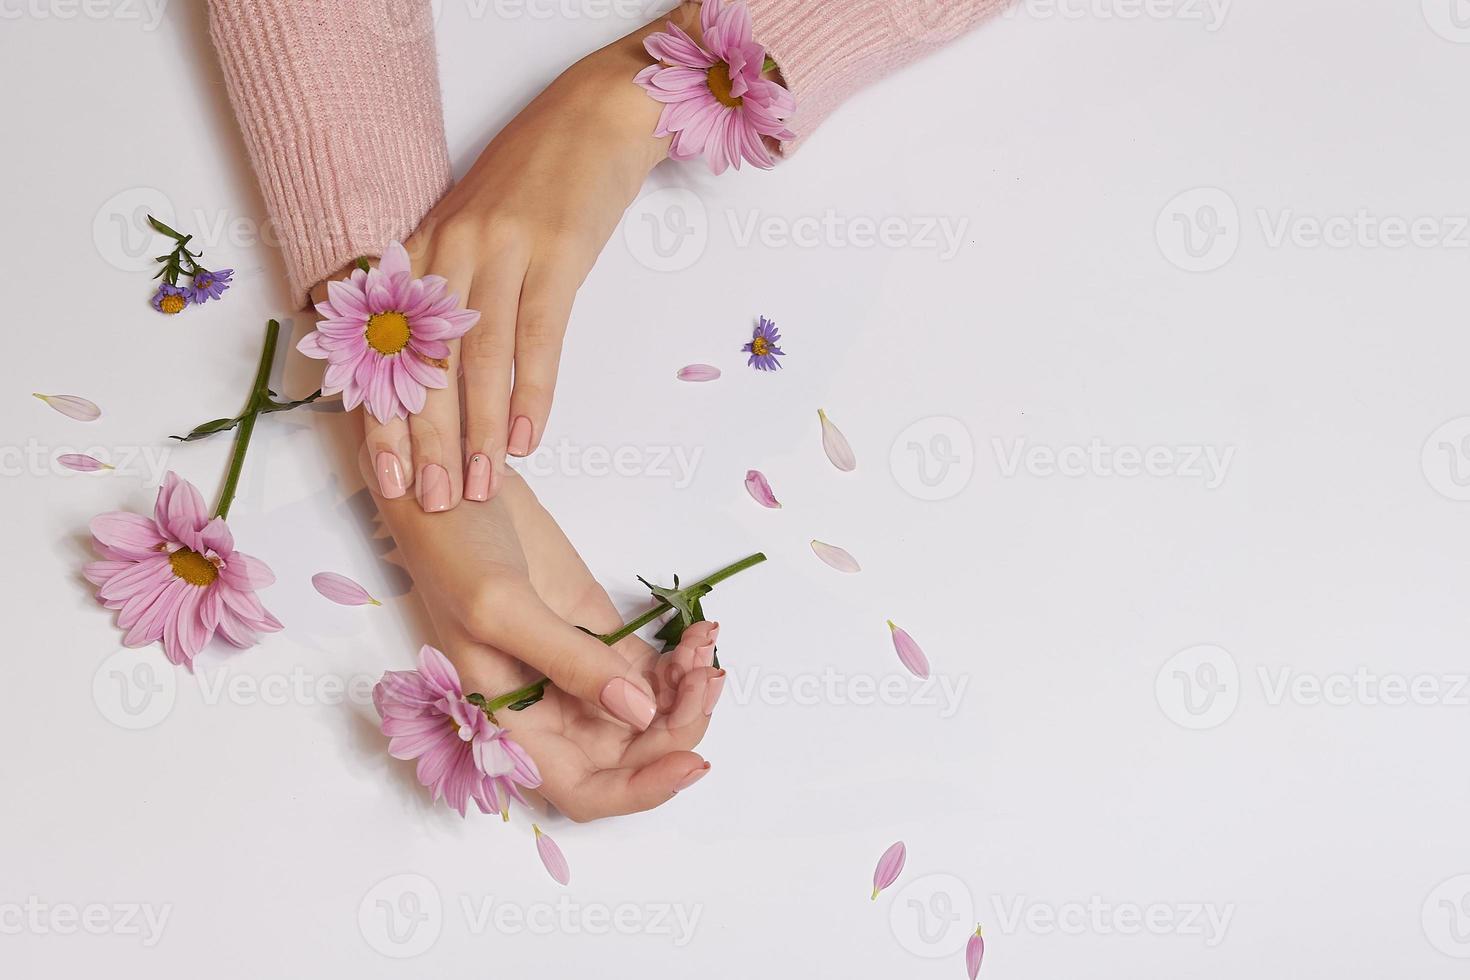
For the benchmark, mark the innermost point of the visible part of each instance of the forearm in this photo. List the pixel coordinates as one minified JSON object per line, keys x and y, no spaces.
{"x":827,"y":51}
{"x":341,"y":115}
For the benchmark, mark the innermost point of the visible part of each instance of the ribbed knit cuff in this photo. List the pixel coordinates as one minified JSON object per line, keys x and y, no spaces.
{"x":826,"y":51}
{"x":339,"y":104}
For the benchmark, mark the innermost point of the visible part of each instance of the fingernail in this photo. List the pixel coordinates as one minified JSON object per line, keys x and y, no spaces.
{"x":390,"y":475}
{"x":704,"y":656}
{"x":692,"y":778}
{"x":712,"y":692}
{"x":519,"y":443}
{"x":434,"y":488}
{"x":477,"y":478}
{"x":714,"y":632}
{"x":627,"y":703}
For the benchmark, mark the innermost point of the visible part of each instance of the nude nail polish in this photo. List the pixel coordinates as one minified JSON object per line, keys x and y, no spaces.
{"x":692,"y":778}
{"x":477,"y":478}
{"x":627,"y":703}
{"x":434,"y":492}
{"x":390,"y":475}
{"x":519,"y":443}
{"x":712,"y":692}
{"x":704,"y":656}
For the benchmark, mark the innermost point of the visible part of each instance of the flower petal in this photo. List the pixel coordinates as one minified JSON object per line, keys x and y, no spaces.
{"x":698,"y":372}
{"x":836,"y":445}
{"x":82,"y":463}
{"x":760,"y":489}
{"x":342,"y":590}
{"x":974,"y":953}
{"x":889,"y":866}
{"x":552,"y":857}
{"x":909,"y":653}
{"x":72,"y":406}
{"x":132,"y":535}
{"x":836,"y":557}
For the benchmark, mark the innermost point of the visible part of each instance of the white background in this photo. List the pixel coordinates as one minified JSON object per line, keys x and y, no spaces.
{"x":1071,"y":608}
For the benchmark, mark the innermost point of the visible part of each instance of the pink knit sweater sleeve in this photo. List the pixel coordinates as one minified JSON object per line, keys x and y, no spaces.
{"x":827,"y":50}
{"x":340,"y":109}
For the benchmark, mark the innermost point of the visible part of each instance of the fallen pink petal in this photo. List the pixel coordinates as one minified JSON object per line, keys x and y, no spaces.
{"x":760,"y":489}
{"x":552,"y":857}
{"x":889,"y":867}
{"x":698,"y":372}
{"x":72,"y":406}
{"x":974,"y":953}
{"x":342,"y":590}
{"x":909,"y":653}
{"x":82,"y":463}
{"x":836,"y":557}
{"x":836,"y":445}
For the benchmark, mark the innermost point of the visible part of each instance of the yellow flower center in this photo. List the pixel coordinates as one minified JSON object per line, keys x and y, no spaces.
{"x":719,"y":84}
{"x":759,"y":347}
{"x":387,"y":333}
{"x":172,"y":303}
{"x":193,"y":567}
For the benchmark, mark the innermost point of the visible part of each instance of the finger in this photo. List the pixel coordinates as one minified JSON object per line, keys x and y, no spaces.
{"x":434,"y":426}
{"x":488,"y":354}
{"x":584,"y":794}
{"x":519,"y":623}
{"x":389,"y":453}
{"x":541,"y":323}
{"x":683,"y":726}
{"x":677,"y":662}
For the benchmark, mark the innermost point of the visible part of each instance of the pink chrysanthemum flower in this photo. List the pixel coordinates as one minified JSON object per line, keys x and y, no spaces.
{"x":461,"y":754}
{"x":177,"y":577}
{"x":384,"y":336}
{"x":717,"y":105}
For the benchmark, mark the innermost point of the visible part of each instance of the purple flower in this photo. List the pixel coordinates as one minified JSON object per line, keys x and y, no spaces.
{"x":209,"y":285}
{"x":170,"y":299}
{"x":762,"y":347}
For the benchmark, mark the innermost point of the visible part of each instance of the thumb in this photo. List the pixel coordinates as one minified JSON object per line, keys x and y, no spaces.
{"x":521,"y":625}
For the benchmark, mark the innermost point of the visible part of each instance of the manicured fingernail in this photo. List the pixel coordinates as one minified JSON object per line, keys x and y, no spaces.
{"x":519,"y":443}
{"x":692,"y":778}
{"x":477,"y":478}
{"x":714,"y":632}
{"x":390,"y":475}
{"x":712,"y":692}
{"x":627,"y":703}
{"x":704,"y":656}
{"x":434,"y":488}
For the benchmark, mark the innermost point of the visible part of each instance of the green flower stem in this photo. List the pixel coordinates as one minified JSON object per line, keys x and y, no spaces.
{"x":627,"y":629}
{"x":259,"y":398}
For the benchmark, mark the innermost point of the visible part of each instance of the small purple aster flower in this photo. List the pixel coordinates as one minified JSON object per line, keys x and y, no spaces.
{"x":209,"y":285}
{"x":763,"y":349}
{"x":170,"y":299}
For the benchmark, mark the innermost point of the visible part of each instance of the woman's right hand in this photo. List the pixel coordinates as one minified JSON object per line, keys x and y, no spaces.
{"x":616,"y":729}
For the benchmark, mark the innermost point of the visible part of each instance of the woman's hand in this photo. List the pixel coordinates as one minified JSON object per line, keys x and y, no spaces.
{"x":617,"y":726}
{"x":515,"y":239}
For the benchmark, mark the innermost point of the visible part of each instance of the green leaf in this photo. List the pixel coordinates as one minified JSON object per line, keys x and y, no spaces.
{"x":527,"y":701}
{"x":769,"y":65}
{"x":164,"y":229}
{"x":287,"y":406}
{"x":362,"y":264}
{"x":206,"y":429}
